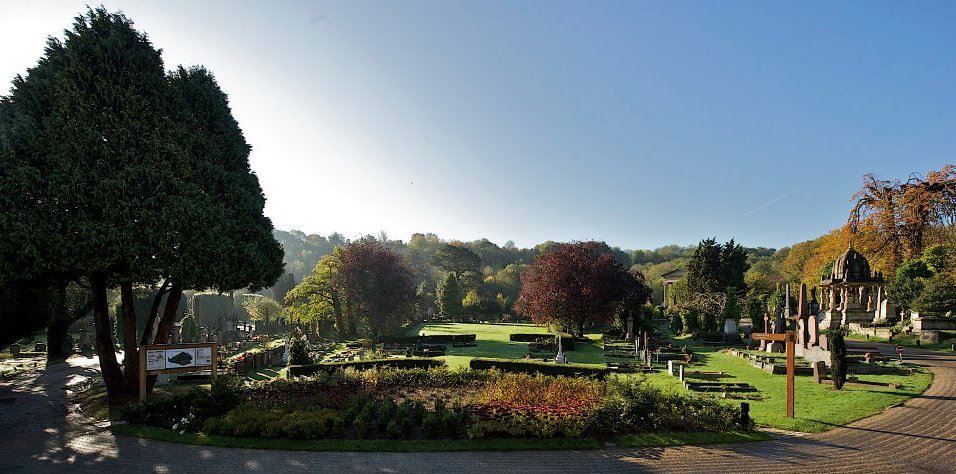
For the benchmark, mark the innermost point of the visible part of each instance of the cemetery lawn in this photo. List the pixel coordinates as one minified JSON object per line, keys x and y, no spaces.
{"x":492,"y":341}
{"x":663,"y":439}
{"x":947,"y":340}
{"x":818,"y":406}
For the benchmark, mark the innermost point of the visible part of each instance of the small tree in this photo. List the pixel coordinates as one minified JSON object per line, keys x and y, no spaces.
{"x":731,"y":307}
{"x":838,"y":357}
{"x":189,"y":331}
{"x":299,"y":352}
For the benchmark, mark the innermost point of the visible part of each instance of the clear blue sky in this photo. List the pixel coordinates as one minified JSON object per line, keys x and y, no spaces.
{"x":638,"y":123}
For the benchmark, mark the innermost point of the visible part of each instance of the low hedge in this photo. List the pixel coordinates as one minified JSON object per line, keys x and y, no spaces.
{"x":406,"y":363}
{"x":567,"y":341}
{"x":532,"y":367}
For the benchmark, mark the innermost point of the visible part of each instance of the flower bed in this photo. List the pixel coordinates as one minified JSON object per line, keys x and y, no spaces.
{"x":436,"y":403}
{"x":532,"y":367}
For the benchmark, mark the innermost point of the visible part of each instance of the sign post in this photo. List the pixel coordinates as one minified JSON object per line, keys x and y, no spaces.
{"x":155,"y":359}
{"x":789,"y":339}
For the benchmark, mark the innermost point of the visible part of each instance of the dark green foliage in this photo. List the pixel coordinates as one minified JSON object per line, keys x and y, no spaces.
{"x":908,"y":283}
{"x":459,"y":260}
{"x":938,"y":296}
{"x":406,"y":363}
{"x":449,"y":298}
{"x":190,"y":329}
{"x":533,"y":367}
{"x":676,"y":323}
{"x":715,"y":267}
{"x":691,"y":320}
{"x":838,"y":363}
{"x":299,"y":352}
{"x":731,"y":306}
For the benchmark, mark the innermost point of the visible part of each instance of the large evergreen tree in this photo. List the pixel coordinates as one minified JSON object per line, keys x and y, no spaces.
{"x":449,"y":297}
{"x":111,"y":175}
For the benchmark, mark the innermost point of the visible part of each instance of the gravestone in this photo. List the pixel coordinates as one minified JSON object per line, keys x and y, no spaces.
{"x":730,"y":335}
{"x":929,"y":337}
{"x":680,"y":372}
{"x":630,"y":328}
{"x":819,"y":371}
{"x":670,"y":368}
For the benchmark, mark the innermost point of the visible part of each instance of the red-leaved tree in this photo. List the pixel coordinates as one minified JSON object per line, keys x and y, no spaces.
{"x":573,"y":285}
{"x":378,"y":285}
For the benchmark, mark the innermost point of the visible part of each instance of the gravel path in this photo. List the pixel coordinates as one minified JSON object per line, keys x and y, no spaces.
{"x":41,"y":431}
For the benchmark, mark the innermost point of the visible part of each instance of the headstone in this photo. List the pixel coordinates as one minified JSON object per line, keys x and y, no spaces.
{"x":813,"y":331}
{"x":680,"y":372}
{"x":819,"y":371}
{"x":560,"y":358}
{"x":670,"y":368}
{"x":929,"y":337}
{"x":630,"y":328}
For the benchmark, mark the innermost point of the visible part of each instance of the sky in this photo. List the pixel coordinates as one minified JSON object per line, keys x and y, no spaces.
{"x":638,"y":123}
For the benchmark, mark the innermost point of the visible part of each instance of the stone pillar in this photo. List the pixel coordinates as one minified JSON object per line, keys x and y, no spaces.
{"x":680,"y":372}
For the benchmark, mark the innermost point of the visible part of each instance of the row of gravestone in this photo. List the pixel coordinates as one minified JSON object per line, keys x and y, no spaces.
{"x":259,"y":360}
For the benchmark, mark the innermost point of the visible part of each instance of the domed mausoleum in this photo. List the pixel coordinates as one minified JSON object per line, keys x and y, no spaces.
{"x":853,"y":293}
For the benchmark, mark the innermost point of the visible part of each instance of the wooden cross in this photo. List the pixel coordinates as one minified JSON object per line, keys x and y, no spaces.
{"x":789,"y":339}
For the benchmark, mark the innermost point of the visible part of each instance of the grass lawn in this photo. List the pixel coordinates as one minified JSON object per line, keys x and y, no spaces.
{"x":947,"y":340}
{"x":644,"y":440}
{"x":818,"y":406}
{"x":492,"y":341}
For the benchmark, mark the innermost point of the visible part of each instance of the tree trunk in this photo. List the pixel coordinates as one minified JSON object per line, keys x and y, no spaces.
{"x":339,"y":317}
{"x":58,"y":331}
{"x":112,"y":373}
{"x":152,"y":321}
{"x":166,"y":322}
{"x":130,"y":347}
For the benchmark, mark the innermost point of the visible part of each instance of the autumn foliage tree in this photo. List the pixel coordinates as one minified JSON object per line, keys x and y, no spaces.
{"x":573,"y":285}
{"x":378,"y":285}
{"x":904,"y":213}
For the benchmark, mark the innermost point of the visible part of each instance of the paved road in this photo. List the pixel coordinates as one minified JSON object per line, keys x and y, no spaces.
{"x":40,"y":431}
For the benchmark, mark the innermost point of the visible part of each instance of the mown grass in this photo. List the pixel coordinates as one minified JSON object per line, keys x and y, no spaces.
{"x":947,"y":340}
{"x":641,"y":440}
{"x":492,"y":341}
{"x":818,"y":407}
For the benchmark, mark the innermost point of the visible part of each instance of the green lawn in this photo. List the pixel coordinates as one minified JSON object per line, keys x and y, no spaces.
{"x":818,"y":406}
{"x":385,"y":445}
{"x":947,"y":339}
{"x":492,"y":341}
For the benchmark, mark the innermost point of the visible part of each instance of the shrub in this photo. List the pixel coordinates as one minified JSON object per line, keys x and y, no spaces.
{"x":299,"y":352}
{"x":406,"y":363}
{"x":532,"y":367}
{"x":187,"y":411}
{"x":837,"y":357}
{"x":631,"y":406}
{"x":690,"y":320}
{"x":676,"y":323}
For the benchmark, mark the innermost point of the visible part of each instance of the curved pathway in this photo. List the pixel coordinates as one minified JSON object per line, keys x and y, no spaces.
{"x":41,"y":431}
